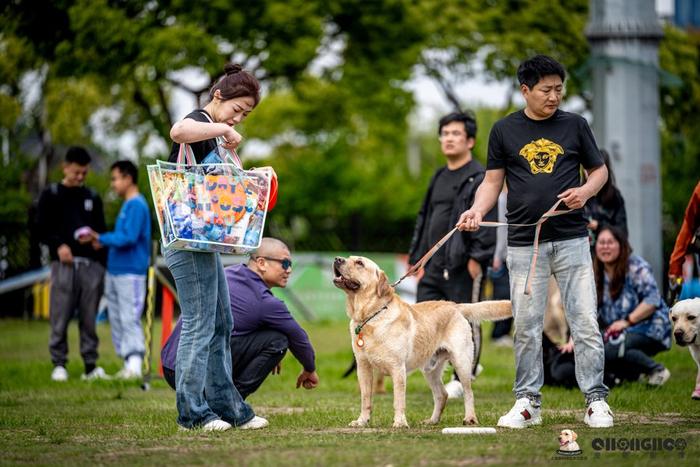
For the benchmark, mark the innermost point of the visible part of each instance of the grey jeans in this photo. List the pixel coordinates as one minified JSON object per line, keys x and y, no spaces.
{"x":570,"y":262}
{"x":74,"y":286}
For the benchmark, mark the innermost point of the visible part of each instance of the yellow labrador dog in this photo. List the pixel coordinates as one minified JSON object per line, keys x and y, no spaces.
{"x":394,"y":338}
{"x":685,"y":317}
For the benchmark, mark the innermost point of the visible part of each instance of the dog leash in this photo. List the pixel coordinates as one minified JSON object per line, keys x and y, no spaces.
{"x":551,"y":212}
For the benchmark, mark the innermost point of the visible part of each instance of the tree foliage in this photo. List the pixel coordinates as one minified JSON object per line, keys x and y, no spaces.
{"x":335,"y":107}
{"x":679,"y":55}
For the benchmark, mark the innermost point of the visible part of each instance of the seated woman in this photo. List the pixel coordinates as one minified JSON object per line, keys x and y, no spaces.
{"x":633,"y":316}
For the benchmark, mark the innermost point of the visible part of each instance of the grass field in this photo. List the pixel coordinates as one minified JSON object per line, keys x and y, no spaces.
{"x":110,"y":422}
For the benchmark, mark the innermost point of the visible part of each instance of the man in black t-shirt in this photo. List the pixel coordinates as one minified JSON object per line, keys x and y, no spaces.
{"x":456,"y":270}
{"x":65,"y":209}
{"x":539,"y":151}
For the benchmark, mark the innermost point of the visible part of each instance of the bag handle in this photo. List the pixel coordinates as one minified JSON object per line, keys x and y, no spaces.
{"x":230,"y":155}
{"x":185,"y":153}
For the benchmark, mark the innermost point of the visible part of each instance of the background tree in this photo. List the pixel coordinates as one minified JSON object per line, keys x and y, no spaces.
{"x":335,"y":112}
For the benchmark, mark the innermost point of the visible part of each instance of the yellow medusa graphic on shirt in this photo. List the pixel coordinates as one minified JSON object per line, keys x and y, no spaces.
{"x":541,"y":154}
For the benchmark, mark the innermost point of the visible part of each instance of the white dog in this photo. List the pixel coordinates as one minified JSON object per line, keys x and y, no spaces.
{"x":567,"y":441}
{"x":685,"y":316}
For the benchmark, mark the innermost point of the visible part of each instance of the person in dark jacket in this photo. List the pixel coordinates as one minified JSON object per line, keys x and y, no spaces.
{"x":455,"y":272}
{"x":66,"y":211}
{"x":263,"y":327}
{"x":607,"y":207}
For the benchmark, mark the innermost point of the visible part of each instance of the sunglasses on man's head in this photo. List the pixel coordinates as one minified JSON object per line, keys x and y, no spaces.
{"x":286,"y":263}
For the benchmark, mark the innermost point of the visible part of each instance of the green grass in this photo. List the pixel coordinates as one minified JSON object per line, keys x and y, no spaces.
{"x":111,"y":422}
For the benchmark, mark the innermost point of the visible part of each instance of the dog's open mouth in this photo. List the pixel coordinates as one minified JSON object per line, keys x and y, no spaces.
{"x":343,"y":282}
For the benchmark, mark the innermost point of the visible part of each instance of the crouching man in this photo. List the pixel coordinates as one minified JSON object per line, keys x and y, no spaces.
{"x":263,"y":327}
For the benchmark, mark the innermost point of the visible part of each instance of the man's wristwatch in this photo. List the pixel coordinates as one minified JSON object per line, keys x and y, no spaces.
{"x":629,"y":321}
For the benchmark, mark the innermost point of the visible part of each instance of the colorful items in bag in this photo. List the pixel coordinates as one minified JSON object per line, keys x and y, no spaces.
{"x":210,"y":207}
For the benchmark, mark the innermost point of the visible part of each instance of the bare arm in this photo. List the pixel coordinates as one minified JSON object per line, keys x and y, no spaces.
{"x":639,"y":314}
{"x":575,"y":198}
{"x":191,"y":131}
{"x":485,"y":199}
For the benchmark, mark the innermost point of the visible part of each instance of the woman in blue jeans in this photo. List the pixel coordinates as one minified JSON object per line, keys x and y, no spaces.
{"x":631,"y":311}
{"x":206,"y":396}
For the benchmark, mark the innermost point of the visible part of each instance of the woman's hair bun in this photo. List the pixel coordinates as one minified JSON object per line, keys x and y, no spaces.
{"x":232,"y":68}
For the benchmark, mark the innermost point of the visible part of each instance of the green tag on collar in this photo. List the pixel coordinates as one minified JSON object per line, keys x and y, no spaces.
{"x":358,"y":329}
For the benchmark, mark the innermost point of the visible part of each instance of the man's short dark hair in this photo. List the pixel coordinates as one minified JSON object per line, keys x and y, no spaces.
{"x":464,"y":117}
{"x":126,"y":168}
{"x":532,"y":70}
{"x":78,"y":155}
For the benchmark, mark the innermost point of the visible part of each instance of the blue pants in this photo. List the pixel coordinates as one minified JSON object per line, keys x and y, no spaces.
{"x":205,"y":390}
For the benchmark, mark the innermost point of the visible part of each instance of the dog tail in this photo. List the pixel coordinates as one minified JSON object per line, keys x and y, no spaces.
{"x":492,"y":310}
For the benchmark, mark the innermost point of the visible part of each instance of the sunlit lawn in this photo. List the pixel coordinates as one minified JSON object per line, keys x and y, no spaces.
{"x":112,"y":422}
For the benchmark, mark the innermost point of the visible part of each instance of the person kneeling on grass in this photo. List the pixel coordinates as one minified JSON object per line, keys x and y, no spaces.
{"x":631,"y":311}
{"x":263,"y":328}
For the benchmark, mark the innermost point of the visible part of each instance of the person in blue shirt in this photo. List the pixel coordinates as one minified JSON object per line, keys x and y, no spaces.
{"x":632,"y":314}
{"x":263,"y":326}
{"x":128,"y":255}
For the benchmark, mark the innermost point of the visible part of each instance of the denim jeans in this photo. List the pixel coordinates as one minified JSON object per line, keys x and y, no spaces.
{"x":205,"y":390}
{"x":256,"y":354}
{"x":126,"y":295}
{"x":570,"y":262}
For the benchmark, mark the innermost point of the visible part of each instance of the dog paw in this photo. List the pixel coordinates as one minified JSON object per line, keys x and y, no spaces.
{"x":696,"y":394}
{"x":430,"y":421}
{"x":400,"y":424}
{"x":359,"y":423}
{"x":470,"y":421}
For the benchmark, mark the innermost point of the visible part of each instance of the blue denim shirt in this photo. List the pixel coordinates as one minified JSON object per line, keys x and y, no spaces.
{"x":639,"y":287}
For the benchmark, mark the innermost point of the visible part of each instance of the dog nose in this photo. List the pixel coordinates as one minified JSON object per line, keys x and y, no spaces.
{"x":338,"y":260}
{"x":678,"y":334}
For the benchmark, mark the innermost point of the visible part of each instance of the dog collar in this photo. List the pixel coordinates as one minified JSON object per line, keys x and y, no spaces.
{"x":358,"y":328}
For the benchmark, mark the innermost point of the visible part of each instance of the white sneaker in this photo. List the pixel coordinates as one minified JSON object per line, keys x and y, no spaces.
{"x":598,"y":415}
{"x":454,"y":389}
{"x":127,"y":374}
{"x":477,"y":372}
{"x":97,"y":373}
{"x":134,"y":364}
{"x":523,"y":414}
{"x":59,"y":373}
{"x":216,"y":425}
{"x":254,"y":423}
{"x":659,"y":377}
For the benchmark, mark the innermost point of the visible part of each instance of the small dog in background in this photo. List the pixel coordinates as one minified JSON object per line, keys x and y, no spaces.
{"x":685,"y":317}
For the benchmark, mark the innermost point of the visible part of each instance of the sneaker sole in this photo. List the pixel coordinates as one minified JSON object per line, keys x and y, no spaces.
{"x":598,"y":425}
{"x":534,"y":421}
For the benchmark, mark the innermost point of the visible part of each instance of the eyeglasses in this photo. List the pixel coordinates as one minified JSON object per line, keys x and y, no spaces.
{"x":286,"y":263}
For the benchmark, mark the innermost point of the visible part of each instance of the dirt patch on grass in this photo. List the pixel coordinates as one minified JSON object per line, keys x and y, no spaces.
{"x":668,"y":418}
{"x":266,"y":410}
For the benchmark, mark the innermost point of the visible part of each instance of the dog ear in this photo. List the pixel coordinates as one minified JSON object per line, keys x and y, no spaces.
{"x":383,"y":287}
{"x":573,"y":436}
